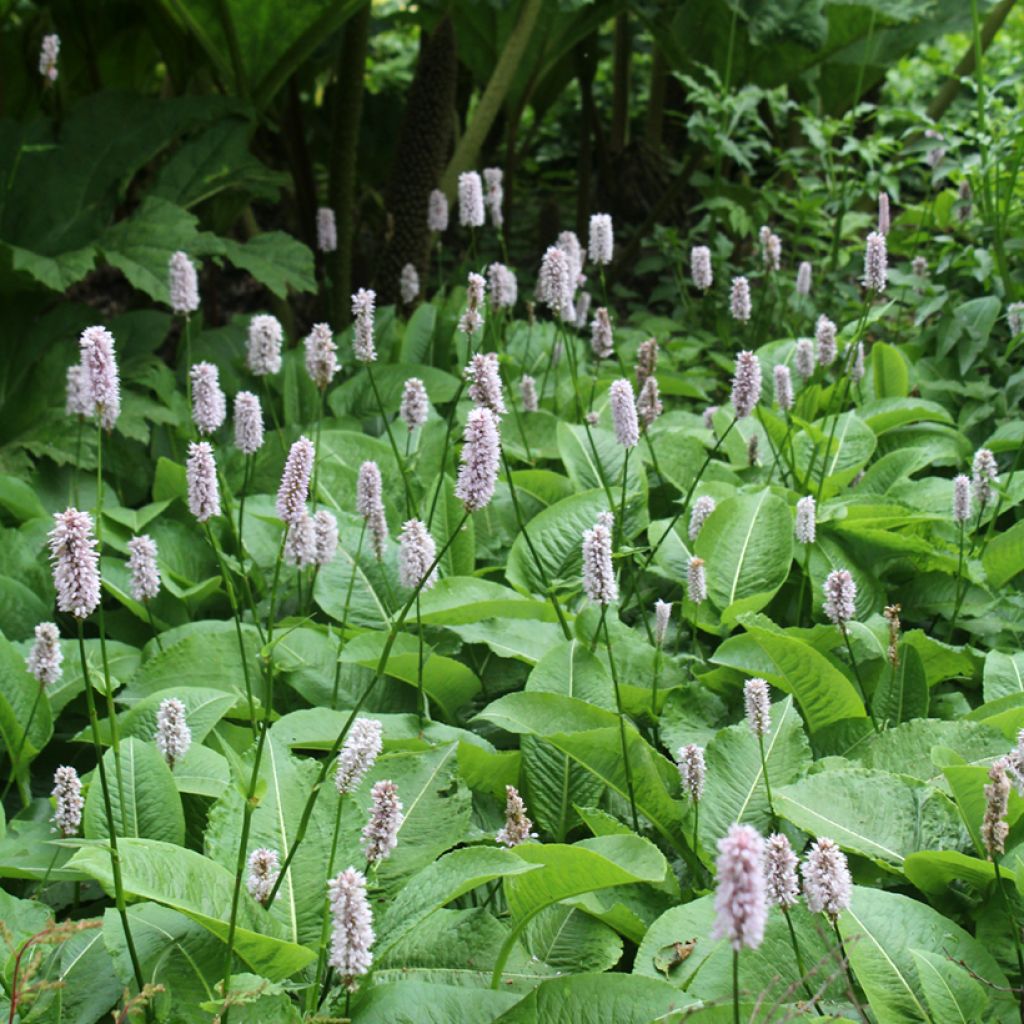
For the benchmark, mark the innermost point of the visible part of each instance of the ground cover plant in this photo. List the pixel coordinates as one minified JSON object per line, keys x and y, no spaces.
{"x":415,"y":609}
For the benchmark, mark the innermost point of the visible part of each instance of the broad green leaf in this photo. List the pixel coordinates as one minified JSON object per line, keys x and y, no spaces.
{"x":586,"y":866}
{"x":459,"y":600}
{"x":876,"y":814}
{"x":450,"y":683}
{"x":735,"y":789}
{"x":889,"y":371}
{"x":933,"y":870}
{"x":572,"y":942}
{"x":881,"y":929}
{"x":887,"y":413}
{"x":275,"y":259}
{"x":204,"y":708}
{"x":202,"y":890}
{"x":852,"y":447}
{"x":824,"y":693}
{"x":902,"y":692}
{"x":1004,"y":556}
{"x":597,"y":462}
{"x":541,"y":714}
{"x":747,"y":545}
{"x":950,"y":992}
{"x":399,"y":1002}
{"x":439,"y":883}
{"x":968,"y":782}
{"x":556,"y":536}
{"x":1004,"y":674}
{"x":25,"y":717}
{"x":148,"y":806}
{"x":588,"y":998}
{"x":460,"y":558}
{"x":706,"y":973}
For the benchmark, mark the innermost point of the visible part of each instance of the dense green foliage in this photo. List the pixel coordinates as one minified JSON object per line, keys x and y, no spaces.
{"x":218,"y":129}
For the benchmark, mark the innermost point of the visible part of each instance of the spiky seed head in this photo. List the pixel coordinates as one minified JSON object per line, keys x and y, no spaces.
{"x":781,"y":883}
{"x":362,"y":747}
{"x":173,"y":736}
{"x":518,"y":827}
{"x":351,"y":927}
{"x":840,"y":597}
{"x":740,"y":901}
{"x":994,"y":828}
{"x":201,"y":477}
{"x":502,"y":286}
{"x":494,"y":195}
{"x":294,"y":487}
{"x":700,"y":268}
{"x":883,"y":213}
{"x":961,"y":499}
{"x":746,"y":384}
{"x":67,"y":792}
{"x":804,"y":357}
{"x":437,"y":211}
{"x":600,"y":242}
{"x":662,"y":613}
{"x":263,"y":345}
{"x":416,"y":554}
{"x":827,"y":883}
{"x":985,"y":473}
{"x":624,"y":417}
{"x":648,"y":403}
{"x":598,"y":573}
{"x":415,"y":405}
{"x":321,"y":355}
{"x":248,"y":423}
{"x":702,"y":508}
{"x":45,"y":657}
{"x":78,"y":400}
{"x":326,"y":230}
{"x":325,"y":526}
{"x":803,"y":278}
{"x":182,"y":284}
{"x":555,"y":284}
{"x":300,"y":542}
{"x":739,"y":300}
{"x":209,"y":406}
{"x":484,"y":379}
{"x":690,"y":762}
{"x":409,"y":284}
{"x":806,"y":520}
{"x":100,"y":362}
{"x":48,"y":52}
{"x":363,"y":305}
{"x":825,"y":336}
{"x":144,"y":569}
{"x":75,"y":562}
{"x":528,"y":393}
{"x":480,"y":456}
{"x":380,"y":835}
{"x":783,"y":387}
{"x":264,"y":867}
{"x":876,"y":262}
{"x":601,"y":337}
{"x":471,"y":200}
{"x":696,"y":581}
{"x":757,"y":705}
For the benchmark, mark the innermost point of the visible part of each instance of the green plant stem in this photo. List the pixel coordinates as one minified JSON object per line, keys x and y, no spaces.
{"x":268,"y":398}
{"x":389,"y":641}
{"x":325,"y":927}
{"x":799,"y":956}
{"x":849,"y":971}
{"x":1014,"y":926}
{"x":444,"y":451}
{"x":152,"y":626}
{"x":233,"y":601}
{"x":410,"y":505}
{"x":26,"y":796}
{"x":115,"y":859}
{"x":767,"y":784}
{"x":316,"y":449}
{"x":961,"y":587}
{"x":603,"y":625}
{"x":186,"y":330}
{"x":654,"y":682}
{"x":736,"y":986}
{"x":78,"y":460}
{"x":423,"y":709}
{"x":856,"y":671}
{"x":243,"y":840}
{"x":542,"y":572}
{"x":675,"y":519}
{"x":999,"y":501}
{"x":696,"y":826}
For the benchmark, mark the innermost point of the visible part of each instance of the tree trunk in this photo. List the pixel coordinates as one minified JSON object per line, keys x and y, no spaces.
{"x":656,"y":103}
{"x":620,"y":84}
{"x":424,"y":142}
{"x":341,"y":189}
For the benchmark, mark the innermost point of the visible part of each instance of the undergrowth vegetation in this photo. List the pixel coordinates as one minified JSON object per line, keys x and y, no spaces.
{"x":622,"y":627}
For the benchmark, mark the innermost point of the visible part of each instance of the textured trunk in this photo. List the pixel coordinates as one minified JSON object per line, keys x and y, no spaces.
{"x":424,"y":142}
{"x":348,"y":114}
{"x":656,"y":103}
{"x":620,"y":85}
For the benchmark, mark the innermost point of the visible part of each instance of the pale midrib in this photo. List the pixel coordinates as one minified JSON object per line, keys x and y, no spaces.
{"x":285,"y":843}
{"x":843,"y":828}
{"x":743,"y":549}
{"x":890,"y":961}
{"x":767,"y":757}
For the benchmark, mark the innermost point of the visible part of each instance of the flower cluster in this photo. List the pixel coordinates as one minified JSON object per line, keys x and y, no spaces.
{"x":518,"y":827}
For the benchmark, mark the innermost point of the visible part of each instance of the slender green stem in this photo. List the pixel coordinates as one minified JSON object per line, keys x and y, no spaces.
{"x":1014,"y":926}
{"x":268,"y":399}
{"x":316,"y":449}
{"x":767,"y":784}
{"x":152,"y":626}
{"x":849,"y":970}
{"x":798,"y":955}
{"x":423,"y":709}
{"x":541,"y":571}
{"x":856,"y":671}
{"x":961,"y":587}
{"x":78,"y":460}
{"x":344,"y":616}
{"x":696,"y":826}
{"x":382,"y":662}
{"x":736,"y":986}
{"x":238,"y":624}
{"x":26,"y":797}
{"x":999,"y":501}
{"x":187,"y":331}
{"x":325,"y":927}
{"x":675,"y":519}
{"x":108,"y":809}
{"x":603,"y":624}
{"x":410,"y":504}
{"x":654,"y":682}
{"x":450,"y":419}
